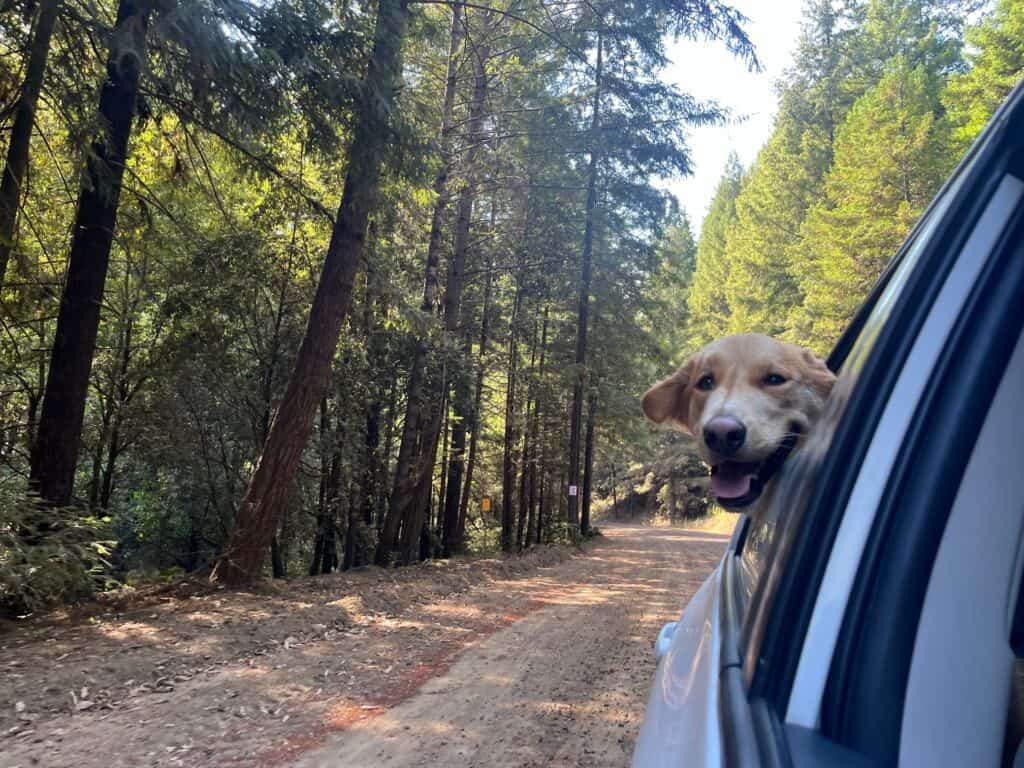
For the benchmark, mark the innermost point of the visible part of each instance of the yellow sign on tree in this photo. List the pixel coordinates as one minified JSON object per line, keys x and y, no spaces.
{"x":486,"y":505}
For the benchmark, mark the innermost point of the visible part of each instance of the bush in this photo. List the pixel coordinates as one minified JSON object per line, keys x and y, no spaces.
{"x":48,"y":556}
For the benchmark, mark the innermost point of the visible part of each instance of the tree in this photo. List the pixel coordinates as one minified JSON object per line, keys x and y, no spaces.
{"x":638,"y":122}
{"x":708,"y":308}
{"x":55,"y":452}
{"x":264,"y":500}
{"x":996,"y":58}
{"x":21,"y":130}
{"x":892,"y":154}
{"x":769,"y":209}
{"x":409,"y":472}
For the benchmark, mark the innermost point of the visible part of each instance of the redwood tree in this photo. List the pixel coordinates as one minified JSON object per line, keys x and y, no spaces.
{"x":267,"y":494}
{"x":404,"y":504}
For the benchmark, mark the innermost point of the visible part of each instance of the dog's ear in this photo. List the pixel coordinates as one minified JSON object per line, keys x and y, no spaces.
{"x":817,"y":374}
{"x":669,"y":399}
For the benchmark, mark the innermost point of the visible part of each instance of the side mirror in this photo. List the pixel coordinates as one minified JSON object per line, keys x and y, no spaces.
{"x":661,"y":645}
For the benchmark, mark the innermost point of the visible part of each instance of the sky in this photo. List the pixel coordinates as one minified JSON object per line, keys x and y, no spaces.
{"x":708,"y":71}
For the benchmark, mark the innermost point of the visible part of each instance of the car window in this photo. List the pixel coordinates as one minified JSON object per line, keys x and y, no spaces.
{"x":784,"y":509}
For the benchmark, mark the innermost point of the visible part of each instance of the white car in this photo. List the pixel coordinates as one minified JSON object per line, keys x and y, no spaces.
{"x":873,"y":615}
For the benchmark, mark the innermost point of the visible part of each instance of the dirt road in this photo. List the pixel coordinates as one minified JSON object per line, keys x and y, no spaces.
{"x":547,"y":665}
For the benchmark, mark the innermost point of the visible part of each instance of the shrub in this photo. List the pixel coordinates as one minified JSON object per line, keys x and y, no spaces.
{"x":48,"y":555}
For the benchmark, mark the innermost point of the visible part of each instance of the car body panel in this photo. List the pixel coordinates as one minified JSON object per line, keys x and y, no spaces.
{"x":681,"y":726}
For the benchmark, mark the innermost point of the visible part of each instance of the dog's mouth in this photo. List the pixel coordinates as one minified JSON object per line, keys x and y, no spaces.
{"x":737,"y":484}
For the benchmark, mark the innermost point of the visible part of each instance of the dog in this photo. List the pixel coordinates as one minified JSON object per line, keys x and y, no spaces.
{"x":747,"y":400}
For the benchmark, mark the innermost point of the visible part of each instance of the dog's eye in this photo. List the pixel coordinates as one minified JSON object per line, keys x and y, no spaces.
{"x":706,"y":382}
{"x":774,"y":379}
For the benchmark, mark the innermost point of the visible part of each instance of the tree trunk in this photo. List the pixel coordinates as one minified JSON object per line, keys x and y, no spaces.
{"x":530,"y":459}
{"x":404,"y":498}
{"x":59,"y":436}
{"x":508,"y":468}
{"x":615,"y":493}
{"x":374,"y":316}
{"x":242,"y":559}
{"x":474,"y":418}
{"x":524,"y":531}
{"x":579,"y":383}
{"x":122,"y":394}
{"x":542,"y":514}
{"x":588,"y":464}
{"x":410,"y":545}
{"x":318,"y":552}
{"x":277,"y":562}
{"x":372,"y":485}
{"x":329,"y":557}
{"x":330,"y":461}
{"x":451,"y":542}
{"x":443,"y":490}
{"x":21,"y":130}
{"x":474,"y":414}
{"x":96,"y":482}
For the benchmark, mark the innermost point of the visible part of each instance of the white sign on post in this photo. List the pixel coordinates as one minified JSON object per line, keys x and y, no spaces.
{"x":572,"y":490}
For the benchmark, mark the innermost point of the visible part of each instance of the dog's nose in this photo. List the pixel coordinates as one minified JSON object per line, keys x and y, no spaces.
{"x":724,"y":435}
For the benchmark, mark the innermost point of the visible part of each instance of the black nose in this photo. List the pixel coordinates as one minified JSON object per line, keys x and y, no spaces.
{"x":724,"y":435}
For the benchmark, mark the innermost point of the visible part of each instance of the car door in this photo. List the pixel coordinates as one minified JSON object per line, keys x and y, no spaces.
{"x":822,"y":602}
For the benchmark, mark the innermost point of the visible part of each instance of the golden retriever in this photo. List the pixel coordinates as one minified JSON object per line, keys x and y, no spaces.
{"x":746,"y":400}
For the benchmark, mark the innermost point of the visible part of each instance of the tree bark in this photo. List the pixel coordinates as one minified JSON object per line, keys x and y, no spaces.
{"x":524,"y":530}
{"x":588,"y":464}
{"x":242,"y":559}
{"x":371,"y":484}
{"x":329,"y":459}
{"x":474,"y":414}
{"x":451,"y":542}
{"x":530,"y":459}
{"x":404,"y":498}
{"x":579,"y":383}
{"x":443,"y":490}
{"x":411,"y":544}
{"x":21,"y":130}
{"x":122,"y":392}
{"x":59,"y":436}
{"x":277,"y":562}
{"x":508,"y":462}
{"x":542,"y":514}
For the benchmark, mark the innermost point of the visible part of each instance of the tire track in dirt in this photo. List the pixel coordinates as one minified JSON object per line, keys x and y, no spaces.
{"x":544,"y":666}
{"x":565,"y":685}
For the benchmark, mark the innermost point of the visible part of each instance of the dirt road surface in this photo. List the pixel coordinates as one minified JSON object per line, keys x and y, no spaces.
{"x":544,"y":662}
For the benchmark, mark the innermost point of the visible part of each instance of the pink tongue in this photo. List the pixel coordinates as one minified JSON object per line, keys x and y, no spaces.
{"x":731,"y":480}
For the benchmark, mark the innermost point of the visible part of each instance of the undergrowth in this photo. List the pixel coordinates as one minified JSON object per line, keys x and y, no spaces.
{"x":48,"y":555}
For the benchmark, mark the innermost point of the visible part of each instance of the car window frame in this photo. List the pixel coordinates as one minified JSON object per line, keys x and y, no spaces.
{"x":864,"y":697}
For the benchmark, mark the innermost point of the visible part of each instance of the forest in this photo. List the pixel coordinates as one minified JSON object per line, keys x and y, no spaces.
{"x":294,"y":286}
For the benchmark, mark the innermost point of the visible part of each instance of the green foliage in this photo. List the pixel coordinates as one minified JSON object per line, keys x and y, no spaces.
{"x":40,"y":564}
{"x":881,"y":101}
{"x":995,"y":52}
{"x":873,"y":115}
{"x":707,"y":303}
{"x":775,"y":194}
{"x":892,"y":154}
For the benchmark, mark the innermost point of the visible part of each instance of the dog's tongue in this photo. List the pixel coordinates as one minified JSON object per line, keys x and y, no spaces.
{"x":731,"y":479}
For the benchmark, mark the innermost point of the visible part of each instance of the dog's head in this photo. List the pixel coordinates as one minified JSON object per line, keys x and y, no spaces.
{"x":746,"y":400}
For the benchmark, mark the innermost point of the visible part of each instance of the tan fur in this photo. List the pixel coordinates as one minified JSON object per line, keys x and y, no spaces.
{"x":738,"y":366}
